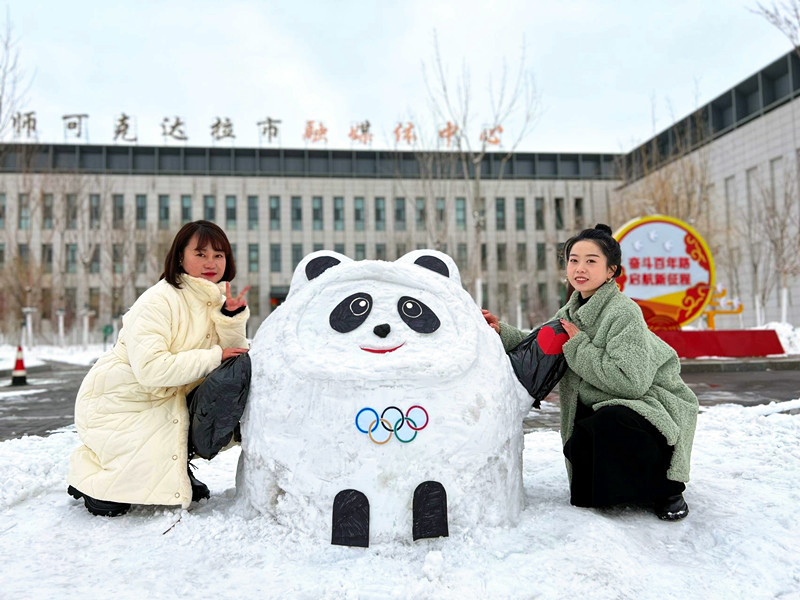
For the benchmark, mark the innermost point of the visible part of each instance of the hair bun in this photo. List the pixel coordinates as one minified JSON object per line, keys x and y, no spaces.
{"x":603,"y":227}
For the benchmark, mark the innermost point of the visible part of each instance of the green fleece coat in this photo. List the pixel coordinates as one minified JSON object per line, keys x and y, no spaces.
{"x":616,"y":359}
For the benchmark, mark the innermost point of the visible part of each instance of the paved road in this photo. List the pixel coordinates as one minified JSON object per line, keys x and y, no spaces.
{"x":47,"y":402}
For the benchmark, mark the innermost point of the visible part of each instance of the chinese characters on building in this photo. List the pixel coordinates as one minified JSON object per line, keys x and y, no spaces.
{"x":24,"y":126}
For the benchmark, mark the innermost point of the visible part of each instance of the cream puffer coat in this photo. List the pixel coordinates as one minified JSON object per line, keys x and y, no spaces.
{"x":131,"y":412}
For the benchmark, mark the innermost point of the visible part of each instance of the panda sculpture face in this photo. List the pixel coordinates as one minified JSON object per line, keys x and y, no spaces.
{"x":372,"y":379}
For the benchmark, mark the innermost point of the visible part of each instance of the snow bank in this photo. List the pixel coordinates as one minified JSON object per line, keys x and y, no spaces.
{"x":36,"y":355}
{"x":741,"y":539}
{"x":787,"y":334}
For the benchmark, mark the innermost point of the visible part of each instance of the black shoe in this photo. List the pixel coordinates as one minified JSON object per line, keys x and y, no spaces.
{"x":199,"y":489}
{"x":101,"y":508}
{"x":672,"y":508}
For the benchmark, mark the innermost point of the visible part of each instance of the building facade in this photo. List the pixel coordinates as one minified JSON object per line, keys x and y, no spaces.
{"x":86,"y":228}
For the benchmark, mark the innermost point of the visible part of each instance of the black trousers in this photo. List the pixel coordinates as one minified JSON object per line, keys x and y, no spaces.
{"x":618,"y":456}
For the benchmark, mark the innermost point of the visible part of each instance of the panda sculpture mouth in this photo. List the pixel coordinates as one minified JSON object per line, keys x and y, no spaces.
{"x":382,"y":350}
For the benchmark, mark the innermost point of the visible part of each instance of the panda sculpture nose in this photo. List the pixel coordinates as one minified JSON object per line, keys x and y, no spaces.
{"x":382,"y":330}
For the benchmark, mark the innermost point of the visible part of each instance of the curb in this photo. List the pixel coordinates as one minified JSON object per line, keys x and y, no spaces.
{"x":739,"y":365}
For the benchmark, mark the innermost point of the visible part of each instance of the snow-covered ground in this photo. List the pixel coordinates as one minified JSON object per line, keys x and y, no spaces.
{"x":741,"y":539}
{"x":37,"y":355}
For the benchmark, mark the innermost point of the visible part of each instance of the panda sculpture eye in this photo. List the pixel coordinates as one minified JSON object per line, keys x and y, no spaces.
{"x":417,"y":315}
{"x":351,"y":312}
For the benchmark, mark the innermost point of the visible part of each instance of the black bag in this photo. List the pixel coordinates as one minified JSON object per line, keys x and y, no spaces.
{"x":216,"y":405}
{"x":538,"y":361}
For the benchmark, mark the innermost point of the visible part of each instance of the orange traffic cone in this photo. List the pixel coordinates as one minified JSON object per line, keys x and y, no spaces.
{"x":19,"y":376}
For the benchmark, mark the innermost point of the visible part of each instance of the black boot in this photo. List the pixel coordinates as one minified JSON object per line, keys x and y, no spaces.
{"x":199,"y":489}
{"x":672,"y":508}
{"x":101,"y":508}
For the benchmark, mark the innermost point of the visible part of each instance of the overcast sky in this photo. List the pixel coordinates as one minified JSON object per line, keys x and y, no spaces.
{"x":607,"y":73}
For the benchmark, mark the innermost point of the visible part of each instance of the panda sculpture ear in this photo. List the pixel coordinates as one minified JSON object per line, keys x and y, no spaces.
{"x":435,"y":261}
{"x":313,"y":265}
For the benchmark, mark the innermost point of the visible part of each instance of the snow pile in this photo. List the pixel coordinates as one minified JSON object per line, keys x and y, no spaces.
{"x":741,"y":539}
{"x":37,"y":355}
{"x":339,"y":366}
{"x":787,"y":334}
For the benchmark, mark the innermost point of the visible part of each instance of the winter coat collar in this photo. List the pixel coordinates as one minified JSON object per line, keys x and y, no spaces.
{"x":203,"y":288}
{"x":593,"y":308}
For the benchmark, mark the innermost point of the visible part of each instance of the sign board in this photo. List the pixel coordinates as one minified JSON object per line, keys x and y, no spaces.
{"x":667,"y":269}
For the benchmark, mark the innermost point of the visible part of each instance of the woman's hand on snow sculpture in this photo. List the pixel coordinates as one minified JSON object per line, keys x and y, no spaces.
{"x":492,"y":320}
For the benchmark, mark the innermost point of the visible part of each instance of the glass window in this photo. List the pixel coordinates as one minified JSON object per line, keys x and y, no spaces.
{"x":502,"y":258}
{"x":419,"y":213}
{"x":502,"y":296}
{"x":24,"y":254}
{"x":116,"y":257}
{"x":559,"y":202}
{"x":399,"y":214}
{"x":24,"y":212}
{"x":274,"y":213}
{"x":94,"y":211}
{"x":47,"y":211}
{"x":254,"y":300}
{"x":539,"y":214}
{"x":94,"y":263}
{"x":71,"y":258}
{"x":47,"y":258}
{"x":117,"y":297}
{"x":2,"y":255}
{"x":361,"y":251}
{"x":275,"y":258}
{"x":484,"y":257}
{"x":316,"y":213}
{"x":119,"y":211}
{"x":523,"y":299}
{"x":297,"y":255}
{"x":500,"y":213}
{"x":440,"y":214}
{"x":358,"y":212}
{"x":338,"y":213}
{"x":141,"y":211}
{"x":2,"y":211}
{"x":380,"y":251}
{"x":560,"y":255}
{"x":163,"y":212}
{"x":252,"y":212}
{"x":380,"y":214}
{"x":401,"y":250}
{"x":578,"y":211}
{"x":252,"y":258}
{"x":297,"y":213}
{"x":541,"y":257}
{"x":461,"y":214}
{"x":141,"y":258}
{"x":519,"y":205}
{"x":317,"y":247}
{"x":186,"y":208}
{"x":94,"y":299}
{"x":209,"y":208}
{"x":522,"y":256}
{"x":338,"y":248}
{"x":72,"y":211}
{"x":461,"y":256}
{"x":230,"y":212}
{"x":541,"y":291}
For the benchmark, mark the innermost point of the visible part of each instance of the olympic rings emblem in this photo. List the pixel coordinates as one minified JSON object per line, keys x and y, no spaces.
{"x":386,"y":423}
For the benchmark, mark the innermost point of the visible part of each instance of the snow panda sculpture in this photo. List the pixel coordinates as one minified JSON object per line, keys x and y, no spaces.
{"x":382,"y":406}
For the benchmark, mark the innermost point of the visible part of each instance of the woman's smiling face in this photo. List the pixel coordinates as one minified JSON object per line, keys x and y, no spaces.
{"x":206,"y":262}
{"x":587,"y":267}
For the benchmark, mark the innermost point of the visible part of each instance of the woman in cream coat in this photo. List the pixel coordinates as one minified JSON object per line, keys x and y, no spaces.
{"x":131,"y":412}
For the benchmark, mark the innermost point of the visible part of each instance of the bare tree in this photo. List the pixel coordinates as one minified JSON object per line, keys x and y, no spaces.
{"x":513,"y":97}
{"x":784,"y":16}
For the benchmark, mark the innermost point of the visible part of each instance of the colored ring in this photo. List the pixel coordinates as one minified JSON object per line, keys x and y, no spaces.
{"x":375,"y":422}
{"x":384,"y":413}
{"x":410,"y":421}
{"x":411,"y":424}
{"x":376,"y":426}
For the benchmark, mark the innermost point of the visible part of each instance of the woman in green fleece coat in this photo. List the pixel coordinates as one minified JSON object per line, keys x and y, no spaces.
{"x":627,"y":417}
